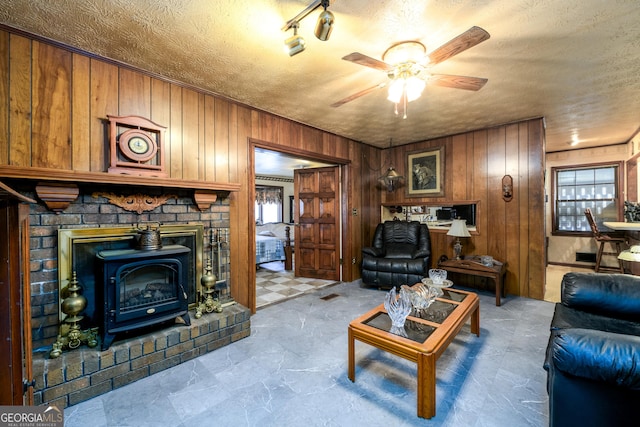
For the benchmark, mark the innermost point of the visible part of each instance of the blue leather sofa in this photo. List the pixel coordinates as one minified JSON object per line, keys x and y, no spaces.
{"x":593,"y":356}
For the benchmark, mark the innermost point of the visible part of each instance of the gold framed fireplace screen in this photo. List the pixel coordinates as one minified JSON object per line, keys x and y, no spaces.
{"x":77,"y":249}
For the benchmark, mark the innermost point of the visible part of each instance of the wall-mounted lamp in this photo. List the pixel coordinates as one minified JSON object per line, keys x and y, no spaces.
{"x":323,"y":29}
{"x":294,"y":44}
{"x":507,"y":188}
{"x":391,"y":180}
{"x":458,"y":229}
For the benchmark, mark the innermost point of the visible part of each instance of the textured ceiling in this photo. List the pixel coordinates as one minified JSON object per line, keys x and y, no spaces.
{"x":574,"y":62}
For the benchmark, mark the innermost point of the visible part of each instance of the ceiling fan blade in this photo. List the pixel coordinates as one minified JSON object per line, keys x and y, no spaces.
{"x":358,"y":95}
{"x":464,"y":41}
{"x":367,"y":61}
{"x":458,"y":82}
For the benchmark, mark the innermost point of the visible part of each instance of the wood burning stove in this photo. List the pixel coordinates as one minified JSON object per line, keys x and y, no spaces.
{"x":142,"y":288}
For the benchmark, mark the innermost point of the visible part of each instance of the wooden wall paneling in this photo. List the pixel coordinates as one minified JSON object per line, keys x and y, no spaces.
{"x":371,"y":195}
{"x":190,"y":135}
{"x":351,"y":194}
{"x":497,"y":239}
{"x":161,"y":113}
{"x":264,"y":127}
{"x":104,"y":101}
{"x":160,"y":103}
{"x":512,"y":254}
{"x":457,"y":152}
{"x":480,"y":153}
{"x":311,"y":139}
{"x":330,"y":144}
{"x":537,"y":257}
{"x":341,"y":147}
{"x":243,"y":284}
{"x":209,"y":142}
{"x":242,"y":215}
{"x":173,"y":151}
{"x":19,"y":101}
{"x":80,"y":113}
{"x":222,"y":140}
{"x":470,"y":173}
{"x":289,"y":134}
{"x":201,"y":142}
{"x":522,"y":198}
{"x":134,"y":93}
{"x":51,"y":107}
{"x":4,"y":94}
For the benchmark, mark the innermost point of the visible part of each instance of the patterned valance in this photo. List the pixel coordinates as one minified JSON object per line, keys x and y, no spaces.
{"x":267,"y":195}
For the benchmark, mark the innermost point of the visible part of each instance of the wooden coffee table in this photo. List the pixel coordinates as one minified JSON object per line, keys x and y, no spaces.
{"x":428,"y":336}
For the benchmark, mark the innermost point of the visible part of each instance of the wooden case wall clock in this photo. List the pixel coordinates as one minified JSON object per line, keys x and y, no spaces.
{"x":136,"y":146}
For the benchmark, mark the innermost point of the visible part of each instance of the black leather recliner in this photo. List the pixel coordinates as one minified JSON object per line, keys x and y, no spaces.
{"x":400,"y":255}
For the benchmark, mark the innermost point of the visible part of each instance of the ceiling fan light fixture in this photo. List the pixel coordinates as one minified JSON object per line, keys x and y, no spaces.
{"x":404,"y":52}
{"x":294,"y":44}
{"x":409,"y":87}
{"x":324,"y":25}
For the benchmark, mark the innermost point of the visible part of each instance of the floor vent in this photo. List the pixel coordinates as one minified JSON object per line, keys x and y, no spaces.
{"x":330,"y":296}
{"x":585,"y":257}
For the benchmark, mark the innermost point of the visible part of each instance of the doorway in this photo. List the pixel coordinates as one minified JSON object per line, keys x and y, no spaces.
{"x":274,"y":168}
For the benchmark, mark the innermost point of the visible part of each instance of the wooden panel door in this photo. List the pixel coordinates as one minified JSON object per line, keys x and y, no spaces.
{"x":317,"y":236}
{"x":15,"y":304}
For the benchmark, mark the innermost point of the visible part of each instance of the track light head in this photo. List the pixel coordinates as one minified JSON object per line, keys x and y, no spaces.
{"x":295,"y":44}
{"x":324,"y":26}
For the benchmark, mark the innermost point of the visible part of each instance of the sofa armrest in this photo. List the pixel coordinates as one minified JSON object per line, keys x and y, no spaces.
{"x":598,"y":356}
{"x":374,"y":252}
{"x":614,"y":295}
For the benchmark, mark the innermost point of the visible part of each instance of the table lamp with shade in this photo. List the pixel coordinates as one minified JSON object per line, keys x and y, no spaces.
{"x":458,"y":229}
{"x":632,"y":254}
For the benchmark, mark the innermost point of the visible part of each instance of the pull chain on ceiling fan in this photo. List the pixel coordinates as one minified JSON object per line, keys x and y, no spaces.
{"x":407,"y":67}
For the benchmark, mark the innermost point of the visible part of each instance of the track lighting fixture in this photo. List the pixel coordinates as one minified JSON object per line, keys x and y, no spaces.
{"x":294,"y":44}
{"x":324,"y":26}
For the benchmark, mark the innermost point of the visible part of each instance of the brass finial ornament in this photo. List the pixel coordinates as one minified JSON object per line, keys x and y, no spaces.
{"x":71,"y":336}
{"x":209,"y":304}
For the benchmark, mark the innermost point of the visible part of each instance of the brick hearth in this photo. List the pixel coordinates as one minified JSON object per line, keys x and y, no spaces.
{"x":84,"y":373}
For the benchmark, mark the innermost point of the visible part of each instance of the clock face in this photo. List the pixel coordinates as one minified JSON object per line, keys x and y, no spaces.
{"x":136,"y":145}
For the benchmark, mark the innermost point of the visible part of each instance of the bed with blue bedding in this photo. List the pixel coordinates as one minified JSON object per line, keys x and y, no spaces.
{"x":273,"y":243}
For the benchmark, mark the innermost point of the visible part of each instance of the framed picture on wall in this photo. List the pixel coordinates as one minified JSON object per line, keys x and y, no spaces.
{"x":426,"y":173}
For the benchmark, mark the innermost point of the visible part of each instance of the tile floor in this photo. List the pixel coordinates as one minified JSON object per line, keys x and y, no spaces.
{"x":292,"y":371}
{"x":275,"y":284}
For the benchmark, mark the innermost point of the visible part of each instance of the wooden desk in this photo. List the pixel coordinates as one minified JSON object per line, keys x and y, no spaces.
{"x":472,"y":266}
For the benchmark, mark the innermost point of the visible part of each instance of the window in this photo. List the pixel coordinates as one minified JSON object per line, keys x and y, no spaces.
{"x":268,"y":204}
{"x":579,"y":187}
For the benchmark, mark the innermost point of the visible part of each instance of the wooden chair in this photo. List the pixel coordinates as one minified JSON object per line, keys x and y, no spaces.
{"x":603,"y":239}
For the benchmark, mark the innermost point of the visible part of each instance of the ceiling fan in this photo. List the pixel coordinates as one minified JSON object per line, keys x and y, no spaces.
{"x":407,"y":67}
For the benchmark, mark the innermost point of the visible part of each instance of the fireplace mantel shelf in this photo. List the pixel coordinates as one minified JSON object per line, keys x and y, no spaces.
{"x":45,"y":174}
{"x":58,"y":188}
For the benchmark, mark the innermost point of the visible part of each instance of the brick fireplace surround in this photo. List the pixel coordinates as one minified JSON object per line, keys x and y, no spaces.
{"x":84,"y":373}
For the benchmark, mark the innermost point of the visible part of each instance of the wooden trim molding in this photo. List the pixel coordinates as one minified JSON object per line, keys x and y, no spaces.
{"x":7,"y":171}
